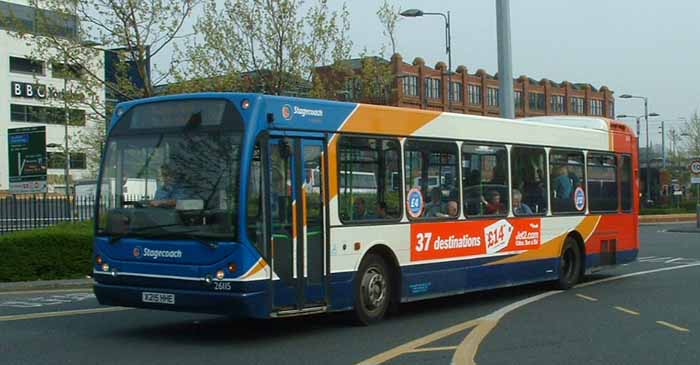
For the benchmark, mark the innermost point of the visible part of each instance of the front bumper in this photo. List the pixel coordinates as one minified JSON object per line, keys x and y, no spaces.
{"x":236,"y":304}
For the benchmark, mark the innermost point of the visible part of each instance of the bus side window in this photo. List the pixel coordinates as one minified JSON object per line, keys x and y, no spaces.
{"x":484,"y":180}
{"x":528,"y":173}
{"x":368,"y":170}
{"x":432,"y":167}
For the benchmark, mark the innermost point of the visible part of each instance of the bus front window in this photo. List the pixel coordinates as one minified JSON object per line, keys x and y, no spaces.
{"x":170,"y":184}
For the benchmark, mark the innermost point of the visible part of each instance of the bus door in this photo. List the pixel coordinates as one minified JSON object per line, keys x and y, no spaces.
{"x":297,"y":189}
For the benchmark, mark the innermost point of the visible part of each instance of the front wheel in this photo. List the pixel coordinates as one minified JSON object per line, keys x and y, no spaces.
{"x":372,"y":290}
{"x":570,"y":264}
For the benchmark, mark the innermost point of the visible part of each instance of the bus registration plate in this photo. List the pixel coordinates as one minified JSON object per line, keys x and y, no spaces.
{"x":162,"y":298}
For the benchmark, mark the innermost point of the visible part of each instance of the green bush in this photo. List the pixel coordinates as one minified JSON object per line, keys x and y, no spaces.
{"x":63,"y":251}
{"x":657,"y":211}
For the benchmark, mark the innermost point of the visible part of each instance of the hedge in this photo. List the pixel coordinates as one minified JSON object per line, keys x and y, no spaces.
{"x":63,"y":251}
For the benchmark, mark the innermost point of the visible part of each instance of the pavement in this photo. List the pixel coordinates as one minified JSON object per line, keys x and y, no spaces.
{"x":643,"y":312}
{"x":667,"y":218}
{"x":46,"y":285}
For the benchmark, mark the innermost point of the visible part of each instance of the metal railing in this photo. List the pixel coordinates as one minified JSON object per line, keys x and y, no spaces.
{"x":23,"y":212}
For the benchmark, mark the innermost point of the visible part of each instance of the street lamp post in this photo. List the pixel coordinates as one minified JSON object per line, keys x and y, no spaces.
{"x":646,"y":120}
{"x":505,"y":59}
{"x":697,"y":192}
{"x":413,"y":13}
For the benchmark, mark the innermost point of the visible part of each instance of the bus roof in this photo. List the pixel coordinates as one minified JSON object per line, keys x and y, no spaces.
{"x":292,"y":113}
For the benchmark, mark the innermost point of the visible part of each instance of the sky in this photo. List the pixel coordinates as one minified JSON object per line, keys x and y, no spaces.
{"x":640,"y":47}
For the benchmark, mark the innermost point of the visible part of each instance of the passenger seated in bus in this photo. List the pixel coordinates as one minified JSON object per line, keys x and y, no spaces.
{"x":520,"y":208}
{"x":452,"y":209}
{"x":359,"y":209}
{"x":563,"y":187}
{"x":533,"y":191}
{"x":169,"y":191}
{"x":493,"y":204}
{"x":434,"y":208}
{"x":380,"y":211}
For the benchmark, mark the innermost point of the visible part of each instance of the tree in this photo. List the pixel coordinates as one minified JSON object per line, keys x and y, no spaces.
{"x":691,"y":131}
{"x":262,"y":45}
{"x":389,"y":18}
{"x":72,"y":37}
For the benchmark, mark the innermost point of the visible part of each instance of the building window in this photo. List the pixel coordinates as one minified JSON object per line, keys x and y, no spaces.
{"x":474,"y":94}
{"x":537,"y":101}
{"x":431,"y":167}
{"x":456,"y":92}
{"x":410,"y":86}
{"x":57,"y":160}
{"x":27,"y":19}
{"x":576,"y":105}
{"x":484,"y":180}
{"x":433,"y":88}
{"x":518,"y":99}
{"x":492,"y":96}
{"x":596,"y":107}
{"x":370,"y":179}
{"x":557,"y":103}
{"x":66,"y":71}
{"x":566,"y":179}
{"x":46,"y":115}
{"x":77,"y":160}
{"x":26,"y":66}
{"x":602,"y":182}
{"x":611,"y":110}
{"x":353,"y":88}
{"x":528,"y":173}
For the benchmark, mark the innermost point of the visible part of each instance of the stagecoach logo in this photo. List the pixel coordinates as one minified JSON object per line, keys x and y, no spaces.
{"x":286,"y":112}
{"x":137,"y":251}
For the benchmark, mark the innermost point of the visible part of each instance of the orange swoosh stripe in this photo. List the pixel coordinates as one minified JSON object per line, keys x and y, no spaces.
{"x":552,"y":248}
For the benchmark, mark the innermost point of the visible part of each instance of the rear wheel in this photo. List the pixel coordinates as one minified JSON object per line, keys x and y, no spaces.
{"x":570,"y":264}
{"x":372,"y":290}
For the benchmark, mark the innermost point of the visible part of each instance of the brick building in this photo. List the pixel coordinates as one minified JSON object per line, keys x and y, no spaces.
{"x":416,"y":85}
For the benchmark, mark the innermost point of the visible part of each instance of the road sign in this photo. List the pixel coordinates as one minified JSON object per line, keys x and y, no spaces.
{"x":694,"y":167}
{"x":27,"y":159}
{"x":695,"y":179}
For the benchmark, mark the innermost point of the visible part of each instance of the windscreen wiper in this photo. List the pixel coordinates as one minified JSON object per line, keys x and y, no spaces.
{"x":174,"y":234}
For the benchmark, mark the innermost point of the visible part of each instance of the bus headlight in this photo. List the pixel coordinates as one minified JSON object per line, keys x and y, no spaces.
{"x":220,"y":275}
{"x":98,"y":260}
{"x":105,"y":267}
{"x":232,"y":267}
{"x":245,"y":104}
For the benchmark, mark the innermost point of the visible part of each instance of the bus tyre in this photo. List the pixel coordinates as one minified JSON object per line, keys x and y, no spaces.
{"x":372,"y":290}
{"x":570,"y":264}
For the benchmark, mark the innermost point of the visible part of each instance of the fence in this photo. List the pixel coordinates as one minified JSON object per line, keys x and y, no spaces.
{"x":22,"y":212}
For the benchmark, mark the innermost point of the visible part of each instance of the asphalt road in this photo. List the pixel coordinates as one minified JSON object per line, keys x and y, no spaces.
{"x":642,"y":313}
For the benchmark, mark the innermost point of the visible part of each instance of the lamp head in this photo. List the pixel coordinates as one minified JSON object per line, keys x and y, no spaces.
{"x":412,"y":13}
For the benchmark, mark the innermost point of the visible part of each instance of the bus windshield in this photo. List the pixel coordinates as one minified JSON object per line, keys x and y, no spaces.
{"x":171,"y":169}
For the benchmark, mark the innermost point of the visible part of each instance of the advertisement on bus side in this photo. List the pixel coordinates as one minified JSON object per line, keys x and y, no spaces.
{"x":430,"y":241}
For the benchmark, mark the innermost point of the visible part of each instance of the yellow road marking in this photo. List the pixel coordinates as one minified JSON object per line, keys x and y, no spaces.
{"x":20,"y":317}
{"x":628,"y":311}
{"x":467,"y":350}
{"x":673,"y":326}
{"x":412,"y":345}
{"x":427,"y":349}
{"x":586,"y":297}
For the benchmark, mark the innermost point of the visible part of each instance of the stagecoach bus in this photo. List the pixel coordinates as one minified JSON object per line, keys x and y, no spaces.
{"x":267,"y":206}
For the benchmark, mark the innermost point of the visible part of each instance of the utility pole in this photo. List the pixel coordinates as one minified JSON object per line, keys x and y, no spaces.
{"x":505,"y":60}
{"x":66,"y":153}
{"x":663,"y":145}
